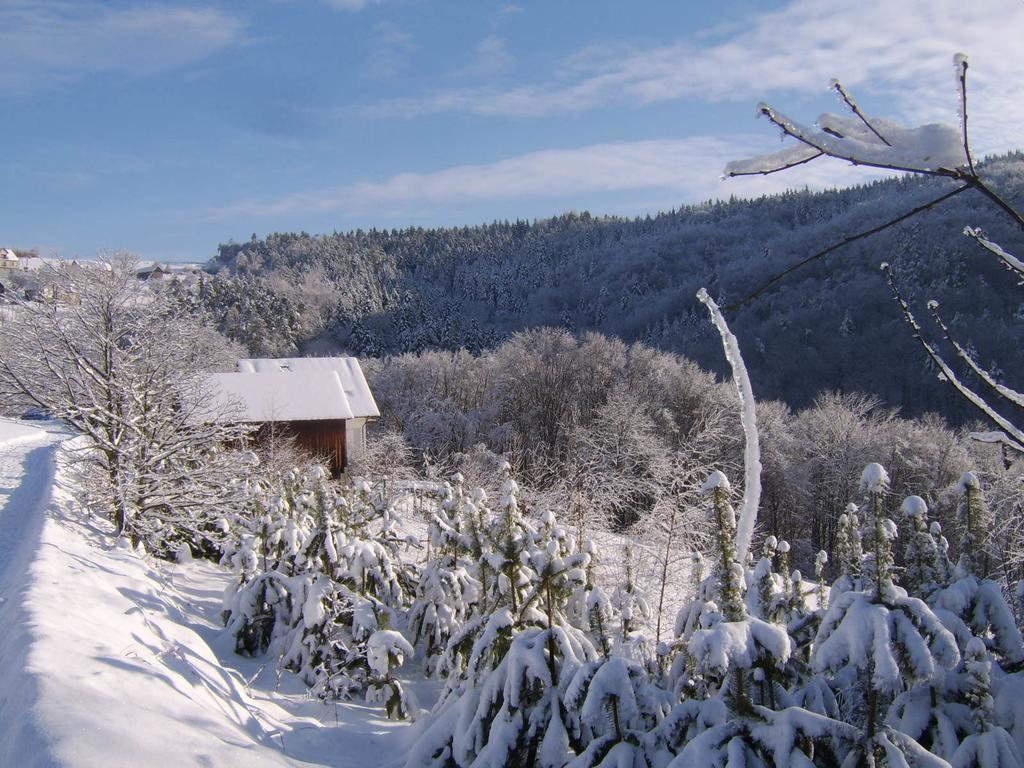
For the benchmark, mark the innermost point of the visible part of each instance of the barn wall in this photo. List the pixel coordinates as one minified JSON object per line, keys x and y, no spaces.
{"x":324,"y":439}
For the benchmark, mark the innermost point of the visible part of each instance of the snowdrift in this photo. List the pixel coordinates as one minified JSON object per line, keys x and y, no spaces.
{"x":110,"y":659}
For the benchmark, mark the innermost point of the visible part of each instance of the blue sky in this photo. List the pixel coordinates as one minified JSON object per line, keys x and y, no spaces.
{"x":168,"y":127}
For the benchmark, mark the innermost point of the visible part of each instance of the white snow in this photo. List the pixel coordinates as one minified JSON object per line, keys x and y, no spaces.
{"x":926,"y":148}
{"x":731,"y":644}
{"x":748,"y":417}
{"x":968,"y":480}
{"x":716,"y":479}
{"x":110,"y":658}
{"x":277,"y":396}
{"x":353,"y":383}
{"x":1009,"y":260}
{"x":12,"y":431}
{"x":874,"y":478}
{"x":914,"y":506}
{"x":386,"y":648}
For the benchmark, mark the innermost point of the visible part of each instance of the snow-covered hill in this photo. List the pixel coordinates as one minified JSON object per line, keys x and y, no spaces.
{"x":108,"y":658}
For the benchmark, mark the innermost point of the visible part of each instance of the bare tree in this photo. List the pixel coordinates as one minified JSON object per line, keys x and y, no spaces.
{"x":125,"y":369}
{"x":940,"y":151}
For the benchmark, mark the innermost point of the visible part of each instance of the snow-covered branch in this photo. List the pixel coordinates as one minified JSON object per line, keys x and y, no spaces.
{"x":948,"y":373}
{"x":752,"y":448}
{"x":1010,"y":261}
{"x":126,"y":369}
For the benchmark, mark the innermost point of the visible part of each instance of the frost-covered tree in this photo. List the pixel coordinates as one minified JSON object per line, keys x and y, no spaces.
{"x":319,"y":577}
{"x":670,"y":533}
{"x":733,"y":725}
{"x":127,"y":370}
{"x":875,"y":641}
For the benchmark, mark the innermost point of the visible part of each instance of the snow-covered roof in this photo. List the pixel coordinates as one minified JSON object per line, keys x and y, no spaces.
{"x":356,"y":391}
{"x":277,"y":396}
{"x":8,"y":255}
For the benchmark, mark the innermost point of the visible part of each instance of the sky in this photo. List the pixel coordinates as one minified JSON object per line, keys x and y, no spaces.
{"x":168,"y":127}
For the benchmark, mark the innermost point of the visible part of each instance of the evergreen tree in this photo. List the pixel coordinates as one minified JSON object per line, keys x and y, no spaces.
{"x":875,"y":642}
{"x":729,"y":728}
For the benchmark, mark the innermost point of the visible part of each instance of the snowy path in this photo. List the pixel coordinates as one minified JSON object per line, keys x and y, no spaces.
{"x":26,"y":460}
{"x":109,"y":659}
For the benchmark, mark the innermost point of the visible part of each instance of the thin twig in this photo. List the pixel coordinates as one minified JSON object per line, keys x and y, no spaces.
{"x":1008,"y":260}
{"x":848,"y":100}
{"x":845,"y":241}
{"x":1006,"y":393}
{"x":784,"y":167}
{"x":962,"y":64}
{"x":950,"y":375}
{"x":1008,"y":209}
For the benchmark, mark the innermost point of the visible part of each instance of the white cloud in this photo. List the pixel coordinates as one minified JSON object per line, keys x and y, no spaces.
{"x":681,"y":169}
{"x":390,"y":52}
{"x":883,"y":46}
{"x":492,"y":57}
{"x":46,"y":41}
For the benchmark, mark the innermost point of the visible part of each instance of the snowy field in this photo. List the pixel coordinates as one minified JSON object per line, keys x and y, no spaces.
{"x":110,"y":659}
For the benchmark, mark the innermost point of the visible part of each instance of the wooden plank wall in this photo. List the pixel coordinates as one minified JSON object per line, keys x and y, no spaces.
{"x":324,"y":439}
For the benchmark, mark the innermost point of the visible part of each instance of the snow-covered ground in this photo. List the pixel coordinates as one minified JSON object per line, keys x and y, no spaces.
{"x":111,"y":659}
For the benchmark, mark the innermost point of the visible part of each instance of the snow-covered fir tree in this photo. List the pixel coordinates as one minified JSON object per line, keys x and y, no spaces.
{"x":740,"y":719}
{"x":447,"y":593}
{"x":319,"y":574}
{"x":504,"y":702}
{"x":876,"y":642}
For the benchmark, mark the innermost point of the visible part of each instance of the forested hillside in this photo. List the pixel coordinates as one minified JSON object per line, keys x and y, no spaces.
{"x":833,"y":325}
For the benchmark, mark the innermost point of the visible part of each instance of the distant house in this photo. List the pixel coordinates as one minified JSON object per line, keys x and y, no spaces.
{"x":9,"y":259}
{"x":323,"y":402}
{"x":151,"y":271}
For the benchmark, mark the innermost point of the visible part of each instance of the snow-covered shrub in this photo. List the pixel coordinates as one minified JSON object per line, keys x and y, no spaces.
{"x":990,"y":746}
{"x":515,"y":714}
{"x":447,"y":592}
{"x":510,"y":666}
{"x":876,"y":642}
{"x":634,"y":612}
{"x":741,"y":713}
{"x":319,"y":573}
{"x":385,"y":651}
{"x":612,"y":705}
{"x":971,"y":605}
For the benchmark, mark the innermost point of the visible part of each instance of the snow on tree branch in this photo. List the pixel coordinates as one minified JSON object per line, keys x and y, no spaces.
{"x":949,"y":375}
{"x":1010,"y":261}
{"x":996,"y":438}
{"x":752,"y":448}
{"x":932,"y":149}
{"x":1011,"y":395}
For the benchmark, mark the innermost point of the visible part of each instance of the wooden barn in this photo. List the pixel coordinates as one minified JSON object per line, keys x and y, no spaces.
{"x":324,"y":403}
